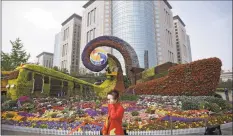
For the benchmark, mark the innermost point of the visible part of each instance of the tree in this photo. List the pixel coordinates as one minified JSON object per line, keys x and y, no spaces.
{"x":17,"y":56}
{"x":6,"y":62}
{"x":64,"y":70}
{"x":225,"y":84}
{"x":74,"y":74}
{"x":127,"y":82}
{"x":55,"y":68}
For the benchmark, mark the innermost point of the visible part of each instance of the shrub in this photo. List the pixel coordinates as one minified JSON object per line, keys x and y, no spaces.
{"x":43,"y":126}
{"x":204,"y":105}
{"x":189,"y":105}
{"x":135,"y":113}
{"x":220,"y":102}
{"x":124,"y":124}
{"x":53,"y":115}
{"x":10,"y":115}
{"x":137,"y":119}
{"x":198,"y":78}
{"x":128,"y":97}
{"x":217,"y":96}
{"x":214,"y":107}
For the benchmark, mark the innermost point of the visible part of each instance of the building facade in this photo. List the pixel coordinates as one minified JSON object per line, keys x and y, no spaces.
{"x":133,"y":21}
{"x":45,"y":59}
{"x":70,"y":43}
{"x":182,"y":41}
{"x":189,"y":48}
{"x":146,"y":25}
{"x":225,"y":76}
{"x":96,"y":21}
{"x":57,"y":48}
{"x":164,"y":33}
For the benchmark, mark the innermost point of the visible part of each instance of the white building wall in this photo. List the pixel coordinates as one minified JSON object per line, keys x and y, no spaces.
{"x":189,"y":48}
{"x":70,"y":48}
{"x":45,"y":60}
{"x":40,"y":60}
{"x":100,"y":25}
{"x":165,"y":43}
{"x":226,"y":76}
{"x":56,"y":57}
{"x":182,"y":41}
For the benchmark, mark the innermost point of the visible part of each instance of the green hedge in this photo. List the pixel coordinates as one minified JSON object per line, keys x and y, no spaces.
{"x":24,"y":87}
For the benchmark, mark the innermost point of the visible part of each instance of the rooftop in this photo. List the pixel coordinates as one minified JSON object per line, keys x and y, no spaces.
{"x":43,"y":53}
{"x":166,"y":2}
{"x":71,"y":17}
{"x":88,"y":3}
{"x":177,"y":17}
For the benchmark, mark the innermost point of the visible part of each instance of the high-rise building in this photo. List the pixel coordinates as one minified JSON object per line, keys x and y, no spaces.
{"x":133,"y":21}
{"x":45,"y":59}
{"x":146,"y":25}
{"x":165,"y":44}
{"x":182,"y":41}
{"x":189,"y":48}
{"x":96,"y":21}
{"x":70,"y":43}
{"x":56,"y":56}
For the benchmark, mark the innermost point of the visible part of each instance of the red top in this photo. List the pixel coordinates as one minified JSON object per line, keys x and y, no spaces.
{"x":113,"y":124}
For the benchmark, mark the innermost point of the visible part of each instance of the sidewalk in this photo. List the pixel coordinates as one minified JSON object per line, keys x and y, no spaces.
{"x":226,"y":131}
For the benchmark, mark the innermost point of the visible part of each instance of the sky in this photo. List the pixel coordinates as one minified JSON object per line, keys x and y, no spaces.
{"x":208,"y":23}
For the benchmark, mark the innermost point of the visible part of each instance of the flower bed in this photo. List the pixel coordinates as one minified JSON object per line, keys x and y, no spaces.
{"x":148,"y":113}
{"x":197,"y":78}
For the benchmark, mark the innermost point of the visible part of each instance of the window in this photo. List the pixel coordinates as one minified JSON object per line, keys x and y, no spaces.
{"x":88,"y":19}
{"x":79,"y":31}
{"x":177,"y":42}
{"x":76,"y":61}
{"x":175,"y":29}
{"x":94,"y":33}
{"x":87,"y":36}
{"x":47,"y":63}
{"x":94,"y":14}
{"x":91,"y":17}
{"x":65,"y":83}
{"x":46,"y":79}
{"x":29,"y":76}
{"x":91,"y":35}
{"x":66,"y":48}
{"x":175,"y":26}
{"x":176,"y":32}
{"x":67,"y":32}
{"x":76,"y":85}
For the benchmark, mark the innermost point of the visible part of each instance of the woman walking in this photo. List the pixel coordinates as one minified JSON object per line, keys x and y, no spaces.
{"x":113,"y":124}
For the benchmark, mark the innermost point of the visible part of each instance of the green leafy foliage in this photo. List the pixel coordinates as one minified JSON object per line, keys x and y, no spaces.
{"x":9,"y":115}
{"x":214,"y":107}
{"x":135,"y":113}
{"x":43,"y":126}
{"x":9,"y":61}
{"x":127,"y":82}
{"x":137,"y":119}
{"x":189,"y":105}
{"x":129,"y":97}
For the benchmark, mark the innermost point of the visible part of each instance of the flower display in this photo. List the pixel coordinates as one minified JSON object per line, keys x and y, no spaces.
{"x":149,"y":112}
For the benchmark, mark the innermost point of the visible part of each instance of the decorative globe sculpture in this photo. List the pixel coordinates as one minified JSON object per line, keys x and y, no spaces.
{"x":98,"y":57}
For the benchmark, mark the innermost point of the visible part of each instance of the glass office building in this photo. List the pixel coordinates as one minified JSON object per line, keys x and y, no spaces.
{"x":133,"y":21}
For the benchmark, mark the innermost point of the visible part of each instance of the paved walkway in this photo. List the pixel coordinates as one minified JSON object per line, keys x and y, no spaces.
{"x":226,"y":131}
{"x":224,"y":96}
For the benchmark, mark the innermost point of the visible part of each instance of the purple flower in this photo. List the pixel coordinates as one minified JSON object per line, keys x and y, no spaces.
{"x":181,"y":119}
{"x":25,"y":114}
{"x":91,"y":112}
{"x":104,"y":110}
